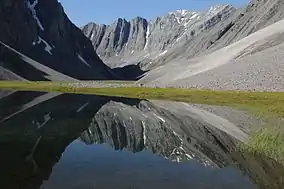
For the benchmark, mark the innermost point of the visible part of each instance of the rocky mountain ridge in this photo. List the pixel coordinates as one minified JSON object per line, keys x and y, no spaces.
{"x":179,"y":35}
{"x":136,"y":40}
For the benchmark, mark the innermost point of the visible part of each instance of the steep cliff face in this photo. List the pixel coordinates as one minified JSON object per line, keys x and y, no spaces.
{"x":139,"y":40}
{"x":120,"y":37}
{"x":41,"y":30}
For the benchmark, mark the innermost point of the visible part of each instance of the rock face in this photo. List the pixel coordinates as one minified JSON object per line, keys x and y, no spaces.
{"x":41,"y":30}
{"x":179,"y":35}
{"x":140,"y":40}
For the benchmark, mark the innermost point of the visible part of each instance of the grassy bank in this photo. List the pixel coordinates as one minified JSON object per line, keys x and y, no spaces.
{"x":268,"y":140}
{"x":257,"y":102}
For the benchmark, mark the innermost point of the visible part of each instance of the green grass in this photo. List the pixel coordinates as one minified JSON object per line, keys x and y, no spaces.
{"x":268,"y":140}
{"x":268,"y":103}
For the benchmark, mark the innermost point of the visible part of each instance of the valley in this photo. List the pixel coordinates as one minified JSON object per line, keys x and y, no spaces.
{"x":225,"y":59}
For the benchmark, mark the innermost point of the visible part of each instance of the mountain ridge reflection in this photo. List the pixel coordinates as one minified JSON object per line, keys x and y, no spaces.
{"x":36,"y":128}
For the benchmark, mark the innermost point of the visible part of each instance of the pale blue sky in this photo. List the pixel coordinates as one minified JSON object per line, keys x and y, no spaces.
{"x":106,"y":11}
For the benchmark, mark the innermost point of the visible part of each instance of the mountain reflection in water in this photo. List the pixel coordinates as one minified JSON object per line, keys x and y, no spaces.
{"x":66,"y":141}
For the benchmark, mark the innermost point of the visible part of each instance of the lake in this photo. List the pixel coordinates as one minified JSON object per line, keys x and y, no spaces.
{"x":58,"y":141}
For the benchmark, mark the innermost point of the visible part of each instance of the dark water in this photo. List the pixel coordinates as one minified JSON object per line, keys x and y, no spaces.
{"x":51,"y":141}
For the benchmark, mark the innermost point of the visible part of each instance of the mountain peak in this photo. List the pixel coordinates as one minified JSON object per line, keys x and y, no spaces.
{"x":183,"y":16}
{"x":180,"y":12}
{"x":217,"y":8}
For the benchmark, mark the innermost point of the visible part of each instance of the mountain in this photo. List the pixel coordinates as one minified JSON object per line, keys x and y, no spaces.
{"x":247,"y":57}
{"x":139,"y":40}
{"x":39,"y":42}
{"x":221,"y":48}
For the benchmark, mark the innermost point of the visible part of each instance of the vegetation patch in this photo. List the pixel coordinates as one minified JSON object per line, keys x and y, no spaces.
{"x":259,"y":103}
{"x":267,"y":141}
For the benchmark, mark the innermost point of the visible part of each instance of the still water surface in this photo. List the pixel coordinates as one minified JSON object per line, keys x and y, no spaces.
{"x":52,"y":141}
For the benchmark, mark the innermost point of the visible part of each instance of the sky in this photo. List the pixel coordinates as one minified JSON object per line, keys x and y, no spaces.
{"x":106,"y":11}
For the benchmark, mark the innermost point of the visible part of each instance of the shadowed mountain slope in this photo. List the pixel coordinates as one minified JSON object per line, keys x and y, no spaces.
{"x":56,"y":48}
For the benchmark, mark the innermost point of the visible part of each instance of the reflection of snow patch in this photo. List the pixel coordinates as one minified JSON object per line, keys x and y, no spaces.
{"x":124,"y":125}
{"x":90,"y":131}
{"x":177,"y":135}
{"x":82,"y":107}
{"x":144,"y":132}
{"x":189,"y":156}
{"x":33,"y":11}
{"x":84,"y":61}
{"x":47,"y":118}
{"x":160,"y":118}
{"x":178,"y":159}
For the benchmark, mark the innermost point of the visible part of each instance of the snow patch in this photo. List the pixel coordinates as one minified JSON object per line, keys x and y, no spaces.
{"x":31,"y":7}
{"x":47,"y":48}
{"x":84,"y":61}
{"x":213,"y":10}
{"x":195,"y":15}
{"x":178,"y":20}
{"x":147,"y":37}
{"x":163,"y":53}
{"x":184,"y":17}
{"x":82,"y":107}
{"x":182,"y":12}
